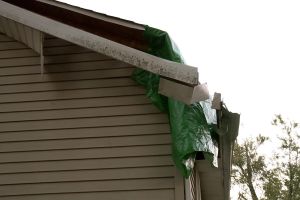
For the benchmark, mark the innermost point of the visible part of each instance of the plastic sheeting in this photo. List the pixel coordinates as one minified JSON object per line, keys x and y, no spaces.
{"x":189,"y":128}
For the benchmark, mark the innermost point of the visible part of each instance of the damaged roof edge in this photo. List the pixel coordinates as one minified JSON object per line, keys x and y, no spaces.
{"x":173,"y":70}
{"x":94,"y":14}
{"x":122,"y":34}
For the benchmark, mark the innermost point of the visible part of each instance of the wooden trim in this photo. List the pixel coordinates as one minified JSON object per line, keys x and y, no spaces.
{"x":187,"y":188}
{"x":173,"y":70}
{"x":198,"y":185}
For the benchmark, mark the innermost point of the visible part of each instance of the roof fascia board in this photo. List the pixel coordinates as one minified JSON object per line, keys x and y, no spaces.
{"x":173,"y":70}
{"x":95,"y":14}
{"x":182,"y":92}
{"x":121,"y":34}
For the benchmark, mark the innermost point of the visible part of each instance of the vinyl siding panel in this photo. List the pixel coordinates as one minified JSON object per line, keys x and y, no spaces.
{"x":87,"y":186}
{"x":64,"y":67}
{"x":86,"y":175}
{"x":81,"y":130}
{"x":86,"y":164}
{"x":91,"y":132}
{"x":24,"y":61}
{"x":166,"y":194}
{"x":84,"y":153}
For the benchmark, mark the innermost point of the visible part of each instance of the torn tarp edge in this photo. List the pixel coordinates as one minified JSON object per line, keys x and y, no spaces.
{"x":191,"y":126}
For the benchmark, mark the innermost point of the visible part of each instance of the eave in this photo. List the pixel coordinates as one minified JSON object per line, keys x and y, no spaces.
{"x":176,"y":71}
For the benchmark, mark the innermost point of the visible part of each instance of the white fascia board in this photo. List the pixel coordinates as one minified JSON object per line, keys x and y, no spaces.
{"x":184,"y":93}
{"x":173,"y":70}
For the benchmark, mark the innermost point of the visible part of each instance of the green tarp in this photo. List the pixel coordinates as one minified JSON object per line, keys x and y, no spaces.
{"x":191,"y":133}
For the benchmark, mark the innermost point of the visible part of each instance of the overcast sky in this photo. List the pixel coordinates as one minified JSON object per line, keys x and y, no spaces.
{"x":247,"y":50}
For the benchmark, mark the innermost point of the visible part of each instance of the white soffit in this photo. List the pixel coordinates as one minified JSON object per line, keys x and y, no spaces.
{"x":24,"y":34}
{"x":173,"y":70}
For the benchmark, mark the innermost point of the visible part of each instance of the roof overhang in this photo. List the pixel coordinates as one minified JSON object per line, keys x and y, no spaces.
{"x":180,"y":72}
{"x":117,"y":38}
{"x":112,"y":28}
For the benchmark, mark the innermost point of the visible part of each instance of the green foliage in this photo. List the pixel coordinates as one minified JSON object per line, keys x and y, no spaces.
{"x":280,"y":178}
{"x":248,"y":166}
{"x":290,"y":150}
{"x":272,"y":185}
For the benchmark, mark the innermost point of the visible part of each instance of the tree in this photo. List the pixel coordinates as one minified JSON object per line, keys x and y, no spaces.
{"x":279,"y":178}
{"x":289,"y":154}
{"x":248,"y":166}
{"x":272,"y":184}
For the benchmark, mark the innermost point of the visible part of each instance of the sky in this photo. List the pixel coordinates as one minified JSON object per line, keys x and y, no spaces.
{"x":247,"y":50}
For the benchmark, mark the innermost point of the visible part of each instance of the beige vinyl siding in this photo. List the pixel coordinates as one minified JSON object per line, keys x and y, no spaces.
{"x":82,"y":130}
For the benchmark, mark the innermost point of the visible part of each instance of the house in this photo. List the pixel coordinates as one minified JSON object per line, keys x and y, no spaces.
{"x":75,"y":125}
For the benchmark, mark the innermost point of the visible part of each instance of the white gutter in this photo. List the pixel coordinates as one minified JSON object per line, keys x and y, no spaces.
{"x":173,"y":70}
